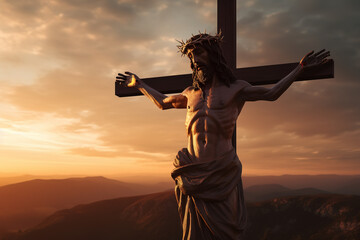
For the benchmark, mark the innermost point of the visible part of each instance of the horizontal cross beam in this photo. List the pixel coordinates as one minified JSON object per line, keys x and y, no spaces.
{"x":254,"y":75}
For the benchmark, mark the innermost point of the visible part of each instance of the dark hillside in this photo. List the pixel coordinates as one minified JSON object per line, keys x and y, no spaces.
{"x":320,"y":217}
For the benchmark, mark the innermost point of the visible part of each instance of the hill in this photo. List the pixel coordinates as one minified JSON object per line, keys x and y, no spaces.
{"x":320,"y":217}
{"x":264,"y":192}
{"x":7,"y":180}
{"x":351,"y":186}
{"x":144,"y":217}
{"x":324,"y":216}
{"x":25,"y":204}
{"x":343,"y":184}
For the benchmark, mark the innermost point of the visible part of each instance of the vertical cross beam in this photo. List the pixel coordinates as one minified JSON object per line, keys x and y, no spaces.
{"x":226,"y":23}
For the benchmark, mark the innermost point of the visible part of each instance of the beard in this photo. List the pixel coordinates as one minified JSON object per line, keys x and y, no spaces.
{"x":204,"y":75}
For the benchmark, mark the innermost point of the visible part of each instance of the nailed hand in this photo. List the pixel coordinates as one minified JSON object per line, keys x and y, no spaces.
{"x":128,"y":79}
{"x":313,"y":59}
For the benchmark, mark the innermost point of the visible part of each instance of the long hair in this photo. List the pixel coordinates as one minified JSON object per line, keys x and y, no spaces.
{"x":218,"y":62}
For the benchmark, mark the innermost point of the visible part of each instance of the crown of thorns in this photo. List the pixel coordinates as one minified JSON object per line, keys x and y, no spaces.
{"x":198,"y":39}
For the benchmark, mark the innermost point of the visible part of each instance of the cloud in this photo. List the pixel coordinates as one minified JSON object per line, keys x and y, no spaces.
{"x":284,"y":34}
{"x":75,"y":48}
{"x":314,"y":124}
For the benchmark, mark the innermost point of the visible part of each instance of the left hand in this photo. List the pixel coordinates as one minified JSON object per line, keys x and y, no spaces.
{"x":128,"y":80}
{"x":313,"y":59}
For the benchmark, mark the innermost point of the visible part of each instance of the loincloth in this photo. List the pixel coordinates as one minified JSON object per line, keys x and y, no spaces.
{"x":210,"y":197}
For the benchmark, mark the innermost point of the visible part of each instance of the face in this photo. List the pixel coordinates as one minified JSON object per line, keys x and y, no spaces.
{"x":200,"y":60}
{"x":199,"y":57}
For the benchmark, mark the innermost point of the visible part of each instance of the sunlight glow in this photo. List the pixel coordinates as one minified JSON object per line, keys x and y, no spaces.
{"x":133,"y":81}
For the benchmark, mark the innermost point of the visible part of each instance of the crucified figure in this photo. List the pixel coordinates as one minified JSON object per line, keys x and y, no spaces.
{"x":207,"y":174}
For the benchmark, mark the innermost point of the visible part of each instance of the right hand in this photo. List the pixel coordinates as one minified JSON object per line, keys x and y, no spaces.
{"x":128,"y":80}
{"x":313,"y":59}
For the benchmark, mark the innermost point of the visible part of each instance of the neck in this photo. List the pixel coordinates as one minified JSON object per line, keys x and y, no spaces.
{"x":211,"y":82}
{"x":208,"y":85}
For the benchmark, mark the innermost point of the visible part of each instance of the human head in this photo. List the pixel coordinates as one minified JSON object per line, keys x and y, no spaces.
{"x":211,"y":44}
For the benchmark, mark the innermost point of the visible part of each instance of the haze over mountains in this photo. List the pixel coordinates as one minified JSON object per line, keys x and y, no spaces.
{"x":343,"y":184}
{"x":333,"y":183}
{"x":6,"y":180}
{"x":324,"y":216}
{"x":264,"y":192}
{"x":25,"y":204}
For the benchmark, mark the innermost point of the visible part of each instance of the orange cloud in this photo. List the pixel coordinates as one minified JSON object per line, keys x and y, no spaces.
{"x":62,"y":56}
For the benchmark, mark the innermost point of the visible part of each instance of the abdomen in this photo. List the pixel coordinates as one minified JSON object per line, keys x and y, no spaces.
{"x":206,"y":142}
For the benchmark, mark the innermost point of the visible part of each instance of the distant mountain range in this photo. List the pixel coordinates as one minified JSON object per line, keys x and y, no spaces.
{"x":6,"y":180}
{"x":25,"y":204}
{"x":343,"y":184}
{"x":346,"y":184}
{"x":150,"y":217}
{"x":264,"y":192}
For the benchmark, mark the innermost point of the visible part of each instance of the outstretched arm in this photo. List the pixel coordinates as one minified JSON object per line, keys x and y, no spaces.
{"x":161,"y":101}
{"x":253,"y":93}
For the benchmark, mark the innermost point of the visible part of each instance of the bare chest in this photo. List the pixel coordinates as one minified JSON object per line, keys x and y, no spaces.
{"x":211,"y":99}
{"x":214,"y":110}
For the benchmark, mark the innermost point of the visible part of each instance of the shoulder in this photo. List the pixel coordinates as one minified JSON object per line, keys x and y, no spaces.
{"x":240,"y":85}
{"x":187,"y":91}
{"x":237,"y":87}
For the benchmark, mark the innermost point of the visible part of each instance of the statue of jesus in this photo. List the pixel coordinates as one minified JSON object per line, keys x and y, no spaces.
{"x":207,"y":174}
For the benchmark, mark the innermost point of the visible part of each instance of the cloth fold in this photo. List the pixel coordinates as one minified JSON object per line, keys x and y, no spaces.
{"x":210,"y":196}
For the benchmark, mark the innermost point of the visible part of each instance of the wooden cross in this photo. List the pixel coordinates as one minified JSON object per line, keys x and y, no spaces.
{"x":226,"y":22}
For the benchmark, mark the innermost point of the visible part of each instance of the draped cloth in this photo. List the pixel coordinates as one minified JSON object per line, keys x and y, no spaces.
{"x":210,"y":197}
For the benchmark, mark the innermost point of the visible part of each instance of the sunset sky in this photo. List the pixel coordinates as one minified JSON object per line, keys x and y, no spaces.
{"x":59,"y":59}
